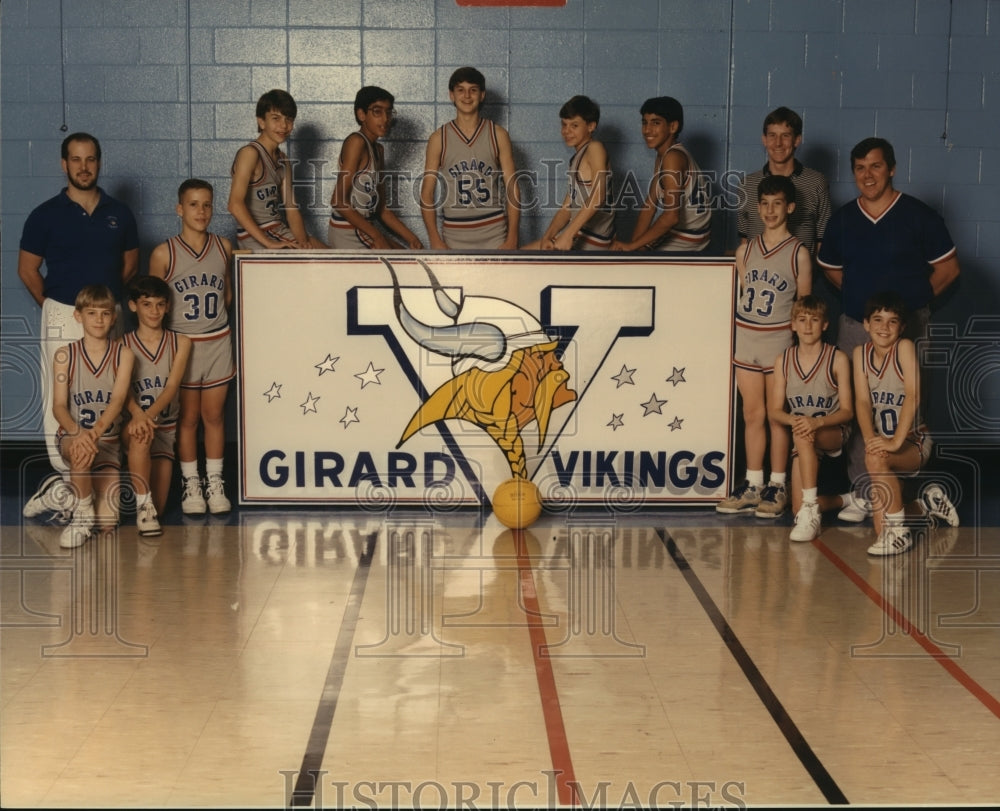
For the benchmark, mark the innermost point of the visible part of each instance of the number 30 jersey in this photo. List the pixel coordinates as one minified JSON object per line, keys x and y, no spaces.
{"x":198,"y":283}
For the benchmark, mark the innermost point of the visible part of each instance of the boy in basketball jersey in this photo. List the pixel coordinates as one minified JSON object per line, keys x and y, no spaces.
{"x":90,"y":387}
{"x":813,"y":398}
{"x":161,"y":357}
{"x":195,"y":265}
{"x":473,"y":160}
{"x":586,"y":219}
{"x":358,"y":200}
{"x":774,"y":268}
{"x":887,"y":402}
{"x":676,"y":216}
{"x":262,"y":197}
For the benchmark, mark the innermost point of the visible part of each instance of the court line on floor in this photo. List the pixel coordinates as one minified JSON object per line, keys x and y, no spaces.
{"x":817,"y":771}
{"x":979,"y":692}
{"x":555,"y":729}
{"x":319,"y":735}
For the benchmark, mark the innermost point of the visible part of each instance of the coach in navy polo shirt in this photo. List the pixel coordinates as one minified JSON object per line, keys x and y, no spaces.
{"x":83,"y":236}
{"x":884,"y":240}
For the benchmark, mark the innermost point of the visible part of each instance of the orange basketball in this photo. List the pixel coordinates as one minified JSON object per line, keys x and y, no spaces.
{"x":517,"y":503}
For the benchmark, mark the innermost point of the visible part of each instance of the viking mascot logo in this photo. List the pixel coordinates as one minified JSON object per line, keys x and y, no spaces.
{"x":505,"y":371}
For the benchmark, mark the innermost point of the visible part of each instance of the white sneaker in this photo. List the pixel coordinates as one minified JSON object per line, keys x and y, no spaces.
{"x":855,"y":509}
{"x":938,"y":505}
{"x":192,"y":500}
{"x":146,"y":521}
{"x":215,"y":492}
{"x":78,"y":530}
{"x":891,"y":540}
{"x":52,"y":495}
{"x":807,"y":523}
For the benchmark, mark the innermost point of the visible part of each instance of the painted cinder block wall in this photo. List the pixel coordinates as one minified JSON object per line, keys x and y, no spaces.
{"x":169,"y":87}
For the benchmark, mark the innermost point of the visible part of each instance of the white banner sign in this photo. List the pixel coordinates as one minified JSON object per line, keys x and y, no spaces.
{"x":409,"y":378}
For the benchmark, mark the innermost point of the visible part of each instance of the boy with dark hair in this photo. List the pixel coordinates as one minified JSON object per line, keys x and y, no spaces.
{"x":195,"y":264}
{"x":358,"y":200}
{"x":161,"y":357}
{"x":586,"y":219}
{"x":676,"y":216}
{"x":473,"y":159}
{"x":781,"y":136}
{"x":774,"y":269}
{"x":90,"y":386}
{"x":262,"y":195}
{"x":813,"y":398}
{"x":887,"y":402}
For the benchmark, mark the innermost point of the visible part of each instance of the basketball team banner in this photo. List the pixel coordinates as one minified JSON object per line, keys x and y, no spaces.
{"x":429,"y":379}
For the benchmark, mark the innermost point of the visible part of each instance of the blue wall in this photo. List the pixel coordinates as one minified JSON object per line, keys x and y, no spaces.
{"x":169,"y":87}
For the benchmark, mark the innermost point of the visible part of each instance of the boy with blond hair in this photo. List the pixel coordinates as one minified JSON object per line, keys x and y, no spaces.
{"x":90,"y":386}
{"x":813,"y":398}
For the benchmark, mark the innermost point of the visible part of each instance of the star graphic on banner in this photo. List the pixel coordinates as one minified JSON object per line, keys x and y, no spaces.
{"x":676,"y":424}
{"x":624,"y":377}
{"x":350,"y":415}
{"x":327,"y":365}
{"x":616,"y":421}
{"x":652,"y":405}
{"x":273,"y":393}
{"x":370,"y":375}
{"x":677,"y":376}
{"x":309,"y":404}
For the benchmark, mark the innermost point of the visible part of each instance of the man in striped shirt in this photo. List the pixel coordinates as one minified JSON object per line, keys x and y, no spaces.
{"x":782,"y":135}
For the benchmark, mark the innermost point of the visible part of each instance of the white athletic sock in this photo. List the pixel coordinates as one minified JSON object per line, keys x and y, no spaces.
{"x":189,"y":470}
{"x":809,"y":494}
{"x":779,"y":479}
{"x":141,"y":498}
{"x":756,"y":477}
{"x":213,"y":467}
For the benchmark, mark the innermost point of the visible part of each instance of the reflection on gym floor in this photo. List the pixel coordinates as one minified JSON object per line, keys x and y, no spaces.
{"x":332,"y":659}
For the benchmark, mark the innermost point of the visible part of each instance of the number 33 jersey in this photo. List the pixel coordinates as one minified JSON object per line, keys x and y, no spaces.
{"x":769,"y":283}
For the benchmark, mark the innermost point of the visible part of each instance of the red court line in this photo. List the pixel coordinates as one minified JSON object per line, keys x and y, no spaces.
{"x":978,"y":691}
{"x":562,"y":762}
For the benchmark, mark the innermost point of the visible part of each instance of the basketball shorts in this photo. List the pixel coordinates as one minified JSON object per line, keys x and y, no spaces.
{"x":342,"y":235}
{"x":211,"y":362}
{"x":109,"y":451}
{"x":275,"y":230}
{"x":756,"y":349}
{"x":480,"y":234}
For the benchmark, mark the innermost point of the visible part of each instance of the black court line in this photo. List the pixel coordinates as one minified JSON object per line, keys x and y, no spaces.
{"x":312,"y":761}
{"x":817,"y":771}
